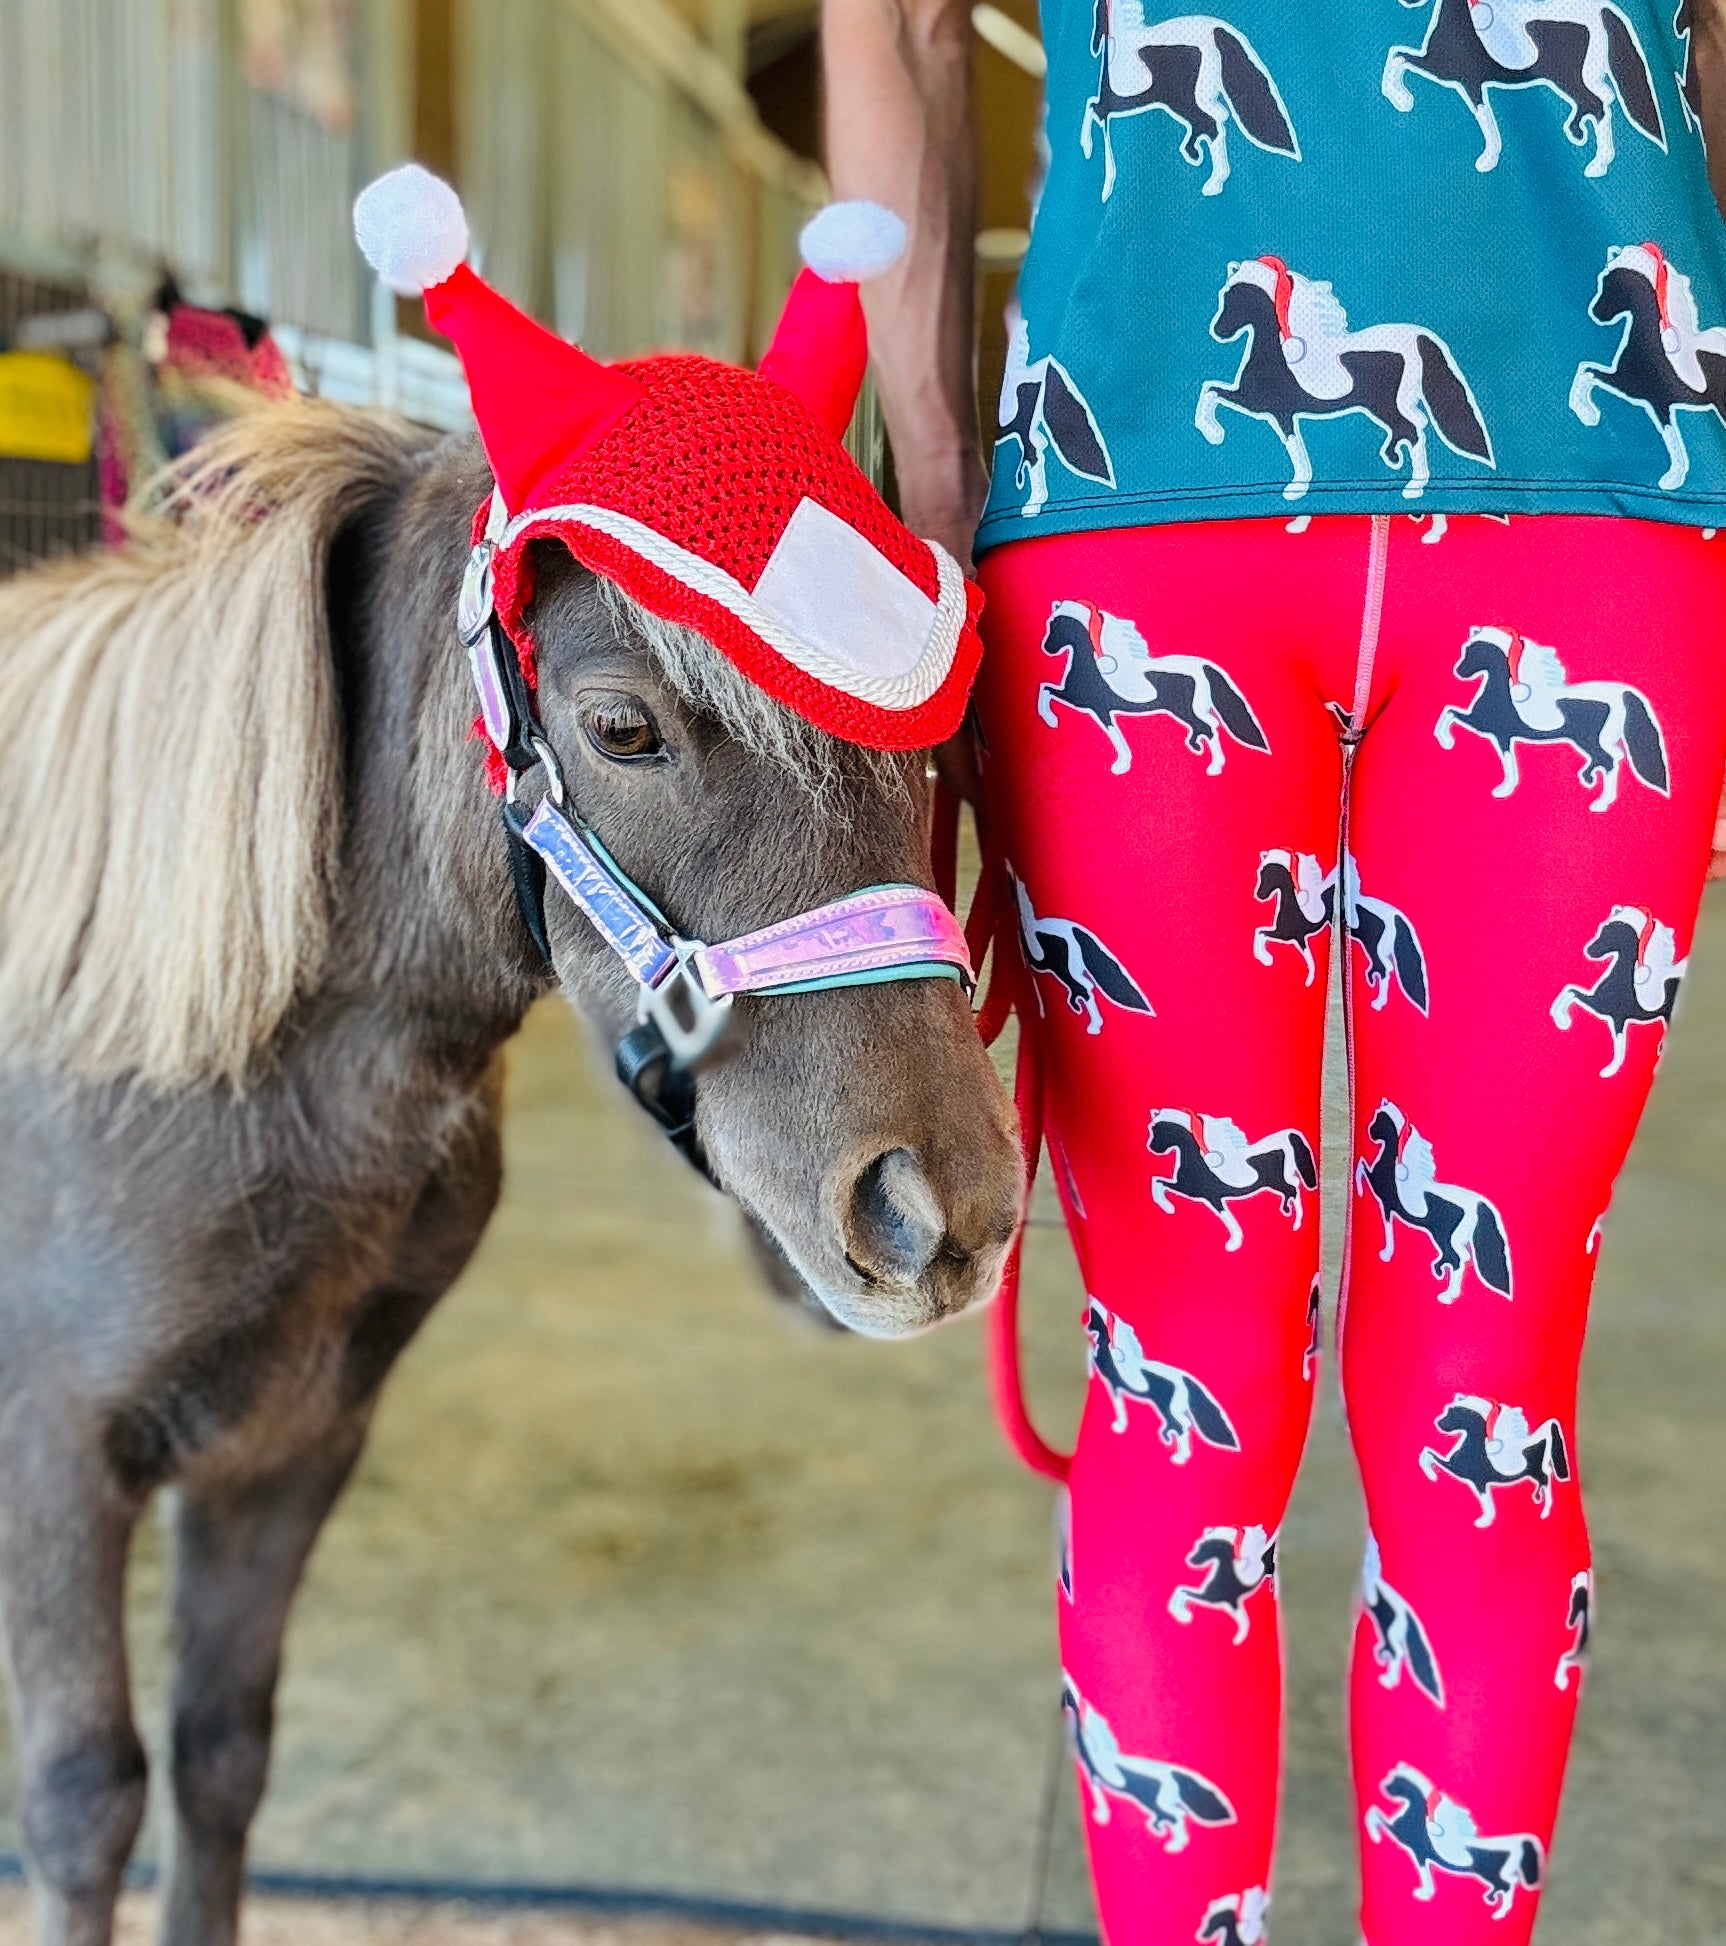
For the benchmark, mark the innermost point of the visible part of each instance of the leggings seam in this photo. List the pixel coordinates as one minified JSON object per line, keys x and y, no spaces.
{"x":1371,"y":620}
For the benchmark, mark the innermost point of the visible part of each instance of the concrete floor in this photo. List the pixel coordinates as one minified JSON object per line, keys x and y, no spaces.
{"x":646,"y":1583}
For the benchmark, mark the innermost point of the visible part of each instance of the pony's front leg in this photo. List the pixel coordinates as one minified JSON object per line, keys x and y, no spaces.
{"x":1563,"y":1005}
{"x":81,"y":1766}
{"x":1046,"y":695}
{"x":1231,"y":1223}
{"x":1444,"y":729}
{"x":1160,"y":1195}
{"x":1677,"y":453}
{"x":1119,"y":1401}
{"x":1205,"y":418}
{"x":1488,"y":1507}
{"x":1388,"y":1223}
{"x":1093,"y":1013}
{"x":1122,"y":749}
{"x":1089,"y":120}
{"x":1431,"y":1460}
{"x":1512,"y":769}
{"x":1394,"y":85}
{"x":1582,"y":400}
{"x":239,"y":1554}
{"x":1261,"y":946}
{"x":1620,"y":1048}
{"x":1099,"y":1803}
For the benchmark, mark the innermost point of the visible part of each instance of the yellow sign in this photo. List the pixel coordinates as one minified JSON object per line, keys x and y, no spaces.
{"x":46,"y":408}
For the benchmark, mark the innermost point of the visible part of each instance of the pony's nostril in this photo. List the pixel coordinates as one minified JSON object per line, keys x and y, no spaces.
{"x":895,"y":1225}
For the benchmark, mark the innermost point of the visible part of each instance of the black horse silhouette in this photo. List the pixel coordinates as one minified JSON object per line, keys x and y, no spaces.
{"x":1238,"y":1920}
{"x":1199,"y":70}
{"x":1237,"y":1563}
{"x":1388,"y":942}
{"x":1580,"y":1619}
{"x":1463,"y":1226}
{"x":1171,"y":1797}
{"x":1303,"y":362}
{"x":1215,"y":1164}
{"x":1667,"y":363}
{"x":1495,"y":1447}
{"x":1402,"y":1642}
{"x":1183,"y":1406}
{"x":1305,"y":897}
{"x":1525,"y":697}
{"x":1043,"y":411}
{"x":1111,"y":672}
{"x":1588,"y":62}
{"x":1314,"y":1329}
{"x":1640,"y":985}
{"x":1437,"y":1832}
{"x":1079,"y":960}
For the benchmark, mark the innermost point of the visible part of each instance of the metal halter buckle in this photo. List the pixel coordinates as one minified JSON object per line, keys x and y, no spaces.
{"x":690,"y":1020}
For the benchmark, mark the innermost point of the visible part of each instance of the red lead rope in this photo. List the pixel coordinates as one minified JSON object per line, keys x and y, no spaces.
{"x":990,"y":924}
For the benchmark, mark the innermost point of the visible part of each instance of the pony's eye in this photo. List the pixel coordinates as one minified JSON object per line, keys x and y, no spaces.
{"x":624,"y":732}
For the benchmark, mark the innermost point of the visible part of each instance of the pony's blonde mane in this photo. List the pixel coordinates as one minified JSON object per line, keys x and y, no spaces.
{"x":170,"y":760}
{"x":171,"y":791}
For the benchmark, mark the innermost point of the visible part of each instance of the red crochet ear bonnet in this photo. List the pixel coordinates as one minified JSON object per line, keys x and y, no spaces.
{"x":715,"y":497}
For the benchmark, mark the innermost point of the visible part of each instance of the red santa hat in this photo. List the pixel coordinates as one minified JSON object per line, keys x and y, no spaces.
{"x":714,"y":497}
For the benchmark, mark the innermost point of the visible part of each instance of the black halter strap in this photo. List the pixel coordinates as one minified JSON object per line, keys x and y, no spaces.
{"x":643,"y":1059}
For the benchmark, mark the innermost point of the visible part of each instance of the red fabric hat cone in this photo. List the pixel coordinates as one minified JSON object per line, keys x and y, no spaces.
{"x":715,"y":497}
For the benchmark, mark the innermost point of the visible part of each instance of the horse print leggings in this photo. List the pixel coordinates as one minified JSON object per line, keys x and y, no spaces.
{"x":1494,"y":751}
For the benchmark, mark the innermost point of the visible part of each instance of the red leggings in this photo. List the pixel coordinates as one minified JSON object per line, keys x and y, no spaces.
{"x":1497,"y":750}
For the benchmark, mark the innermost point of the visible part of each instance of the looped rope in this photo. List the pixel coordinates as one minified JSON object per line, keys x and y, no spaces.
{"x":991,"y":931}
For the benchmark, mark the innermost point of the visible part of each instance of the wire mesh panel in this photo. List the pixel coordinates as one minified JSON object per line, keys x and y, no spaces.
{"x":46,"y":506}
{"x":177,"y":132}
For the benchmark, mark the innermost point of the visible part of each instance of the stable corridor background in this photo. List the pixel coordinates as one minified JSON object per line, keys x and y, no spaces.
{"x":646,"y":1583}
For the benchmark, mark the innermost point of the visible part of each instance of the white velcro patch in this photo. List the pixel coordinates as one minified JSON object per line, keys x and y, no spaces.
{"x":827,"y":584}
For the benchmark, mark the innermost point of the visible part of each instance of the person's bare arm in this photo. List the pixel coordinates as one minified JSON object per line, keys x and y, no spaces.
{"x":1708,"y":53}
{"x":897,"y":77}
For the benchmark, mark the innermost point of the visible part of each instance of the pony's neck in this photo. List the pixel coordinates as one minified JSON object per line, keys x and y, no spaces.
{"x":426,"y":927}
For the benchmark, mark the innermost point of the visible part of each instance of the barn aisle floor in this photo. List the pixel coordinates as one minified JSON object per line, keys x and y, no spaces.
{"x":647,"y":1583}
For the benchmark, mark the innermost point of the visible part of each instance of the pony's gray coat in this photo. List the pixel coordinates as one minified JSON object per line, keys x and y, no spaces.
{"x":205,"y":1284}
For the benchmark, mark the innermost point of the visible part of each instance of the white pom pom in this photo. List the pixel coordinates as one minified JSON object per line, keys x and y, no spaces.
{"x":410,"y":226}
{"x":848,"y":242}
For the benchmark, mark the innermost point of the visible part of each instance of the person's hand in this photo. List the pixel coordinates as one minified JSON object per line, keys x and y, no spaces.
{"x":941,"y":496}
{"x":1717,"y":862}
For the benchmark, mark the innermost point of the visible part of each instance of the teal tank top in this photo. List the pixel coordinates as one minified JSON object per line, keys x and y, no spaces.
{"x":1351,"y":256}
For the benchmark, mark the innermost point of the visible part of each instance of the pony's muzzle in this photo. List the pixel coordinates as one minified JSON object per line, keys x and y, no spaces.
{"x":902,"y":1235}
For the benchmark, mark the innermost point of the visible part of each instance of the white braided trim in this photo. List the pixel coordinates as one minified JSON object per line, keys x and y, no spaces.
{"x":901,"y":692}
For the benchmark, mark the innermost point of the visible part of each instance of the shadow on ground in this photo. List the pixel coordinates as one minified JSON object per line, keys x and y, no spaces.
{"x":647,"y":1583}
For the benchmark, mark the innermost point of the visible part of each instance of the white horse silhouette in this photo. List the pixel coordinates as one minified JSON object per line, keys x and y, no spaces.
{"x":1294,"y":369}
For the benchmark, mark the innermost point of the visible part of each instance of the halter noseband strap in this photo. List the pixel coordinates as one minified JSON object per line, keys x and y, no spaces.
{"x":684,"y":987}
